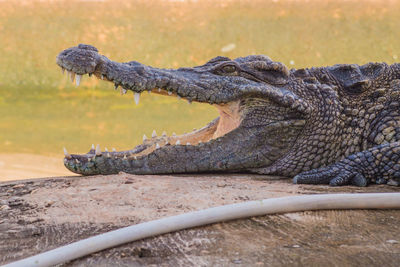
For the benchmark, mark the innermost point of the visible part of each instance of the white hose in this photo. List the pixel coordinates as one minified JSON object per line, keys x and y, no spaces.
{"x":212,"y":215}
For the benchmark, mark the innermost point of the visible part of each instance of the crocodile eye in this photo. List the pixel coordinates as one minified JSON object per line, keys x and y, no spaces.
{"x":228,"y":68}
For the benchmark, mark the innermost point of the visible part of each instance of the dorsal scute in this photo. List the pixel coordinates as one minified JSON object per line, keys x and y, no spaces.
{"x":355,"y":79}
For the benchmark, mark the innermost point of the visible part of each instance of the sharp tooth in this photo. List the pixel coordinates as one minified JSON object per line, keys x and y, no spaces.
{"x":92,"y":146}
{"x":72,"y":76}
{"x":62,"y":70}
{"x":188,"y":144}
{"x":157,"y":146}
{"x":115,"y":86}
{"x":98,"y":150}
{"x":76,"y":161}
{"x":178,"y":142}
{"x":137,"y":98}
{"x":66,"y":154}
{"x":169,"y":93}
{"x":154,"y":134}
{"x":135,"y":157}
{"x":167,"y":143}
{"x":108,"y":155}
{"x":105,"y":149}
{"x":78,"y":79}
{"x":102,"y":77}
{"x":125,"y":157}
{"x":89,"y":159}
{"x":159,"y":89}
{"x":114,"y":150}
{"x":164,"y":133}
{"x":144,"y":137}
{"x":122,"y":91}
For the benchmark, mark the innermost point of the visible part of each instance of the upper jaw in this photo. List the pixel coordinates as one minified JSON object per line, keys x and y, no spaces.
{"x":189,"y":83}
{"x":193,"y":84}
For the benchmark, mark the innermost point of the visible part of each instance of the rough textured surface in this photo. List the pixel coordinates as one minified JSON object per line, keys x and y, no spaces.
{"x":39,"y":215}
{"x":272,"y":120}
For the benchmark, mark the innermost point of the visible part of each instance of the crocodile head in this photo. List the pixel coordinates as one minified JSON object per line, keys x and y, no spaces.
{"x":261,"y":115}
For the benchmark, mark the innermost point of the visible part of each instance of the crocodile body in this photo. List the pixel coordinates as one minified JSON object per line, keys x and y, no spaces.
{"x":332,"y":125}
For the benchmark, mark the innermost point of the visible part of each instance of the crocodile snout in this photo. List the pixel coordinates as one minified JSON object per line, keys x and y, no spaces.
{"x":79,"y":60}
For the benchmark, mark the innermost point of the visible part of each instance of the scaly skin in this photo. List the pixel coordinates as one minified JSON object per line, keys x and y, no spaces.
{"x":343,"y":119}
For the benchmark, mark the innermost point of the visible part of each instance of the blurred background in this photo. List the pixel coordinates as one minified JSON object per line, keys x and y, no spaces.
{"x":41,"y":111}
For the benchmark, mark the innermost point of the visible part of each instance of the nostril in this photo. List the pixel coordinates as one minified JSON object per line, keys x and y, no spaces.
{"x":88,"y":47}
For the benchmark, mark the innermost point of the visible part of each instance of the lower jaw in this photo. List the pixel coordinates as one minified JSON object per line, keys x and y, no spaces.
{"x":137,"y":159}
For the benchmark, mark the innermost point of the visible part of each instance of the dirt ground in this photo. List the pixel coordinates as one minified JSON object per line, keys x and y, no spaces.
{"x":41,"y":214}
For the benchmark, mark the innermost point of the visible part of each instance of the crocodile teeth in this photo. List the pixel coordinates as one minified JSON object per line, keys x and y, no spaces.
{"x":134,"y":157}
{"x":144,"y":137}
{"x":66,"y":154}
{"x":122,"y":91}
{"x":159,"y":89}
{"x":76,"y":161}
{"x":164,"y":133}
{"x":102,"y":77}
{"x":125,"y":157}
{"x":169,"y":93}
{"x":154,"y":134}
{"x":108,"y":155}
{"x":92,"y":146}
{"x":72,"y":76}
{"x":62,"y":70}
{"x":105,"y":149}
{"x":157,"y":146}
{"x":137,"y":98}
{"x":78,"y":79}
{"x":178,"y":142}
{"x":98,"y":150}
{"x":114,"y":150}
{"x":115,"y":86}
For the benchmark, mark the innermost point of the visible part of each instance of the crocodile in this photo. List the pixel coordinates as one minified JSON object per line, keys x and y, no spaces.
{"x":336,"y":125}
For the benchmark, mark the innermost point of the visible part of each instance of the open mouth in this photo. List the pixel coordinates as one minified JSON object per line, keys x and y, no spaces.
{"x":257,"y":121}
{"x":230,"y":117}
